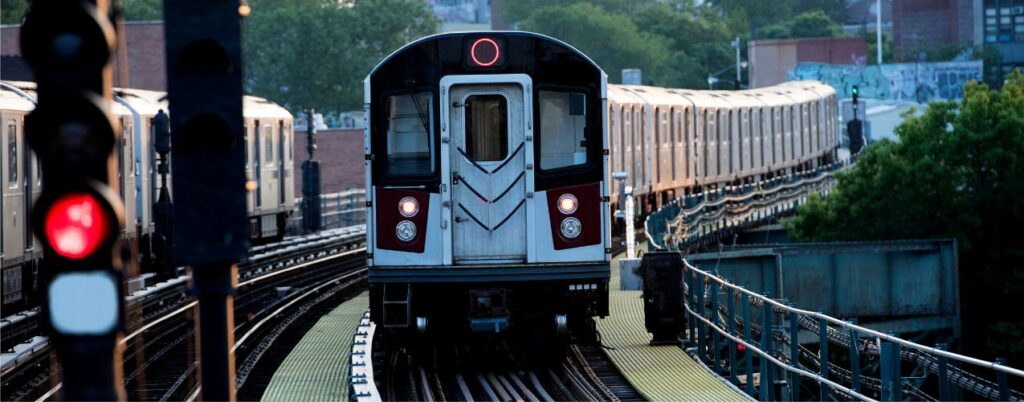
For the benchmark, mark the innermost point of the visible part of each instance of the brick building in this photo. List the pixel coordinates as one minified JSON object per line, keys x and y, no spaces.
{"x":340,"y":153}
{"x":144,"y":42}
{"x":921,"y":25}
{"x":770,"y":60}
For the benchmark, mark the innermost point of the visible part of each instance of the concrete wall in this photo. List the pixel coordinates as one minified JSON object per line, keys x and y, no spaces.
{"x":340,"y":153}
{"x":770,"y":60}
{"x":915,"y":82}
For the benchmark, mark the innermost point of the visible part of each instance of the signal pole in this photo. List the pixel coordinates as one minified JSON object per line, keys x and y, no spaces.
{"x":78,"y":215}
{"x":211,"y":231}
{"x":311,"y":214}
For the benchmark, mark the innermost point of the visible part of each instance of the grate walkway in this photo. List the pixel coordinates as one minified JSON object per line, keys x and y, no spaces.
{"x":662,"y":373}
{"x":316,"y":368}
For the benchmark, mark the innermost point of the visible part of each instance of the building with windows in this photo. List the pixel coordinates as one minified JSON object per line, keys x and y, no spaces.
{"x":1003,"y":24}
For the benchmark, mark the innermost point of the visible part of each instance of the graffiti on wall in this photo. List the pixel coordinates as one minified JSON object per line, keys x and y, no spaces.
{"x":916,"y":82}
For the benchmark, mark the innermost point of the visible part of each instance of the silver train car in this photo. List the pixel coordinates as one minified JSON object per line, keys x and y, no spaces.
{"x":673,"y":142}
{"x":269,"y":165}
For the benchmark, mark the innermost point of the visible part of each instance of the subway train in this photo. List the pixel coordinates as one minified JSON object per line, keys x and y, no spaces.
{"x":269,"y":155}
{"x":488,"y":158}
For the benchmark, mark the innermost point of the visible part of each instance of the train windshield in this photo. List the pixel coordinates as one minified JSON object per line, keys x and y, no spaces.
{"x":563,"y":122}
{"x":410,"y":148}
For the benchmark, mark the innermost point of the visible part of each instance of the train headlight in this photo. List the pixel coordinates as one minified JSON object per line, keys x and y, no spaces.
{"x":571,"y":227}
{"x":405,"y":231}
{"x":408,"y":207}
{"x":567,"y":204}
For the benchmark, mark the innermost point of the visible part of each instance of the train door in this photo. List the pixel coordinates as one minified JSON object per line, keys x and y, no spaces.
{"x":257,"y":172}
{"x":282,"y":172}
{"x":15,"y":217}
{"x":488,"y":163}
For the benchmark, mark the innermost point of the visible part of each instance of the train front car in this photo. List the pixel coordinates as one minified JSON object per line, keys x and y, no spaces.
{"x":486,"y":174}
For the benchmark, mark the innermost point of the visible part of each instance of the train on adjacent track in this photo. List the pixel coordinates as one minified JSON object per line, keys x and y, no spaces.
{"x":269,"y":165}
{"x":488,"y":165}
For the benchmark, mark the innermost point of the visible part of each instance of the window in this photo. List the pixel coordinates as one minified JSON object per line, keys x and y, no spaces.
{"x":563,"y":123}
{"x":268,"y":149}
{"x":486,"y":128}
{"x":12,"y":155}
{"x":410,"y":143}
{"x":126,"y":136}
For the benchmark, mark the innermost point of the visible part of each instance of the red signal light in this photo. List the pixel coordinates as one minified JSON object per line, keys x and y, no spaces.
{"x":485,"y":52}
{"x":76,"y":225}
{"x":741,"y":347}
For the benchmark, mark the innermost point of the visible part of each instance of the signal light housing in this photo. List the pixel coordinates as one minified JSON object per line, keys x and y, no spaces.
{"x":76,"y":225}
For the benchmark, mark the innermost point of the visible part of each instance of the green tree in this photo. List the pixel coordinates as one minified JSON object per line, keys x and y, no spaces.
{"x":955,"y":172}
{"x":315,"y":53}
{"x":613,"y":41}
{"x":760,"y":15}
{"x":811,"y":24}
{"x":12,"y":11}
{"x":696,"y":40}
{"x":143,"y":10}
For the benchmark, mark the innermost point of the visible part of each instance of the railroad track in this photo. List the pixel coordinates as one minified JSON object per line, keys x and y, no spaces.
{"x":159,"y":355}
{"x":472,"y":374}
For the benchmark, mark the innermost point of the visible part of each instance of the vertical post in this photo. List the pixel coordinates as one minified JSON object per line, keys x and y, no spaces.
{"x":78,"y":216}
{"x":794,"y":354}
{"x":748,"y":355}
{"x":891,"y":381}
{"x":823,"y":356}
{"x":878,"y":31}
{"x":715,"y":336}
{"x":312,"y":209}
{"x":1004,"y":386}
{"x":767,"y":381}
{"x":943,"y":362}
{"x":702,"y":338}
{"x":691,"y":323}
{"x":855,"y":360}
{"x":211,"y":232}
{"x":739,"y":72}
{"x":730,"y":305}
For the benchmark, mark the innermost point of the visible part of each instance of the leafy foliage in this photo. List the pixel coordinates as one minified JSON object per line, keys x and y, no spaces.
{"x":957,"y":171}
{"x":315,"y":53}
{"x":812,"y":24}
{"x":12,"y":11}
{"x":760,"y":14}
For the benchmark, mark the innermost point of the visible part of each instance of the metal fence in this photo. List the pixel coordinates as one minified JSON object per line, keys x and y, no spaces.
{"x":695,"y":219}
{"x":338,"y":210}
{"x":733,"y":330}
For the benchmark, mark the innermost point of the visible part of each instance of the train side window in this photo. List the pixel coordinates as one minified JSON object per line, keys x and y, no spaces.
{"x":245,"y":144}
{"x":12,"y":155}
{"x":126,"y":134}
{"x":486,"y":128}
{"x":268,"y":149}
{"x":410,"y":141}
{"x":563,"y":123}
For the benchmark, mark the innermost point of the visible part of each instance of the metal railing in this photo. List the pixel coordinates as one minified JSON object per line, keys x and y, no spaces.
{"x":695,"y":219}
{"x":338,"y":210}
{"x":716,"y":325}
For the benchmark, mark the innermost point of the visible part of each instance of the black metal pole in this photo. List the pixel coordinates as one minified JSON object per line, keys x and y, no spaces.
{"x":214,"y":288}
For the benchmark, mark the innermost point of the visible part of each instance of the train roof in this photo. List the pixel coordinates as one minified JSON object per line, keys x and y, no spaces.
{"x":781,"y":94}
{"x":438,"y":37}
{"x":20,"y":95}
{"x":15,"y":96}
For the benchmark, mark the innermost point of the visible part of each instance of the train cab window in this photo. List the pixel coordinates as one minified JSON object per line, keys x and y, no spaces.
{"x":486,"y":128}
{"x":563,"y":122}
{"x":410,"y":142}
{"x":12,"y":155}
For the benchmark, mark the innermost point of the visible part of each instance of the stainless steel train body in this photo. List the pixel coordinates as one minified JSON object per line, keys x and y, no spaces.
{"x":676,"y":141}
{"x":269,"y":147}
{"x":486,"y":172}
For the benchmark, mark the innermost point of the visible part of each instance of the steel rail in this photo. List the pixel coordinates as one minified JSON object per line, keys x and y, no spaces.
{"x":193,"y":303}
{"x":849,"y":326}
